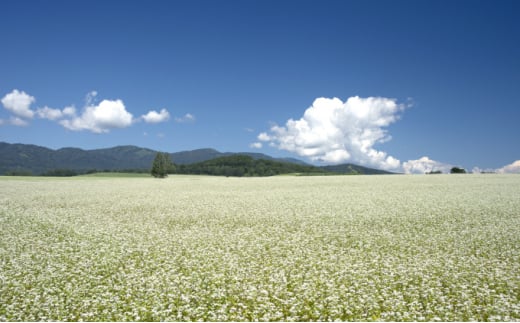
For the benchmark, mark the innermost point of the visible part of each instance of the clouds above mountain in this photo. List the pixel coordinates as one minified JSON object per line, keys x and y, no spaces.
{"x":108,"y":114}
{"x":156,"y":117}
{"x":329,"y":131}
{"x":334,"y":131}
{"x":55,"y":114}
{"x":18,"y":103}
{"x":94,"y":117}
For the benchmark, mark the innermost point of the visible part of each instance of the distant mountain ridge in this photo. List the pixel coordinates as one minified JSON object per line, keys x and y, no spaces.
{"x":204,"y":154}
{"x":39,"y":160}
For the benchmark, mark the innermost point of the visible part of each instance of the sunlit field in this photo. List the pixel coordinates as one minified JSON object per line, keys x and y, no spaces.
{"x":186,"y":248}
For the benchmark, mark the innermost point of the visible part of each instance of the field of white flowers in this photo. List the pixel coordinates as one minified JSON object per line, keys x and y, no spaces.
{"x":399,"y":248}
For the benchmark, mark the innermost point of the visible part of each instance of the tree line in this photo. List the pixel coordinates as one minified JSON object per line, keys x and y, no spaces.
{"x":235,"y":165}
{"x":453,"y":170}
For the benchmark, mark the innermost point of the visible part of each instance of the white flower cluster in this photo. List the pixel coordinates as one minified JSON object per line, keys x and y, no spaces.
{"x":190,"y":248}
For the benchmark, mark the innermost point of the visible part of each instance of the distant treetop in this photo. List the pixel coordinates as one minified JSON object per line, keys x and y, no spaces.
{"x":457,"y":170}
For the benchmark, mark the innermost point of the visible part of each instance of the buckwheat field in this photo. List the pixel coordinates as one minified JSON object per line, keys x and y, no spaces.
{"x":190,"y":248}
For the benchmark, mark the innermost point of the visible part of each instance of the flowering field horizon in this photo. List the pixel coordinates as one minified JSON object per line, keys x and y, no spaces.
{"x":283,"y":248}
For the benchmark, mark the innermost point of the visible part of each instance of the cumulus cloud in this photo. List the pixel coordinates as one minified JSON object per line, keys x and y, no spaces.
{"x":100,"y":118}
{"x":95,"y":117}
{"x":256,"y":145}
{"x":49,"y":113}
{"x":55,"y":114}
{"x":334,"y":131}
{"x":424,"y":165}
{"x":513,"y":168}
{"x":188,"y":117}
{"x":156,"y":117}
{"x":19,"y":103}
{"x":69,"y":111}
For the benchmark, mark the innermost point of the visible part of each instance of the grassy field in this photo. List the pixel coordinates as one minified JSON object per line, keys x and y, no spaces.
{"x":114,"y":174}
{"x":439,"y":247}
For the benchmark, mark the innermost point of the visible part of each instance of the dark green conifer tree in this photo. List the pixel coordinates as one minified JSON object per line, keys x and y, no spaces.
{"x":161,"y":165}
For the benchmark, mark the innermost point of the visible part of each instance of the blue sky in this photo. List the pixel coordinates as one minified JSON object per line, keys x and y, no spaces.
{"x":400,"y":85}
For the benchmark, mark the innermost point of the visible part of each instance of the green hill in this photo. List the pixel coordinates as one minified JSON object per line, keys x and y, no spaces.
{"x":22,"y":159}
{"x":15,"y":158}
{"x":354,"y":169}
{"x":243,"y":165}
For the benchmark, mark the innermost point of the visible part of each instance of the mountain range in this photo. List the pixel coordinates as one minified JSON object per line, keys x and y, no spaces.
{"x":39,"y":160}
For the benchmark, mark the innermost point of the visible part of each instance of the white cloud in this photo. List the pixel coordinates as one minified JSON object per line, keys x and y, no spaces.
{"x":424,"y":165}
{"x":55,"y":114}
{"x":188,"y":117}
{"x":334,"y":131}
{"x":19,"y":103}
{"x":15,"y":121}
{"x":156,"y":117}
{"x":513,"y":168}
{"x":69,"y":111}
{"x":95,"y":117}
{"x":256,"y":145}
{"x":49,"y":113}
{"x":100,"y":118}
{"x":264,"y":137}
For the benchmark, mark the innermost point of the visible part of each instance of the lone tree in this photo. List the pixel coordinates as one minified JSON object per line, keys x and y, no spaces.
{"x":457,"y":170}
{"x":161,"y":165}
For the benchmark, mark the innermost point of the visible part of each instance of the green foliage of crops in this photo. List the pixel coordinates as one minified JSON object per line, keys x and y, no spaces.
{"x":400,"y":248}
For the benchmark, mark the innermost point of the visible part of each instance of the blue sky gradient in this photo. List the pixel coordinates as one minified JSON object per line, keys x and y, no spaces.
{"x":228,"y":71}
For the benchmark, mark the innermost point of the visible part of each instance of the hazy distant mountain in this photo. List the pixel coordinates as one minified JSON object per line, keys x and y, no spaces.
{"x":38,"y":160}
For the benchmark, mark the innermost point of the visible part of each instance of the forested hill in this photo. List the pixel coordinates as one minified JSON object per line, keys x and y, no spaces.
{"x":32,"y":159}
{"x":204,"y":154}
{"x":38,"y":160}
{"x":242,"y":165}
{"x":354,"y":169}
{"x":22,"y":159}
